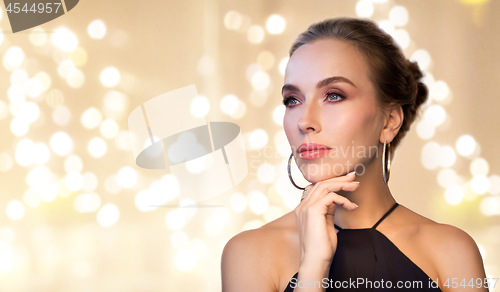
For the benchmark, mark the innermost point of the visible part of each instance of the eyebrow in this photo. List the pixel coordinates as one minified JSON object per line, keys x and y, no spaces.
{"x":322,"y":83}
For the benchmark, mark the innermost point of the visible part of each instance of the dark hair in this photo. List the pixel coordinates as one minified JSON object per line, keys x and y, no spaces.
{"x":395,"y":78}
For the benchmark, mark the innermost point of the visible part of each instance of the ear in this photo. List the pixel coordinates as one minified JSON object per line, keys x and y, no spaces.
{"x":392,"y":124}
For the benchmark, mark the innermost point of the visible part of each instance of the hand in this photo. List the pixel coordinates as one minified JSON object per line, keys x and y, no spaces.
{"x":314,"y":217}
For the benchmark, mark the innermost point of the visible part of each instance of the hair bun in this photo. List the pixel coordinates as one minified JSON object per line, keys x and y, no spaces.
{"x":420,"y":92}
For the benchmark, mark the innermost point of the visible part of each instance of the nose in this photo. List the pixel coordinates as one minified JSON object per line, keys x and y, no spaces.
{"x":309,"y":119}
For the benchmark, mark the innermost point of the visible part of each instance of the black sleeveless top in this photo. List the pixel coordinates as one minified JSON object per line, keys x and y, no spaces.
{"x":366,"y":260}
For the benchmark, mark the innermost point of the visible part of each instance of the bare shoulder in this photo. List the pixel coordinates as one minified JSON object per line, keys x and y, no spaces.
{"x":450,"y":251}
{"x":250,"y":260}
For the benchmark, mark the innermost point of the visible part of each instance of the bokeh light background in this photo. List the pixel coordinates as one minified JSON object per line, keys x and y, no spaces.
{"x":76,"y":213}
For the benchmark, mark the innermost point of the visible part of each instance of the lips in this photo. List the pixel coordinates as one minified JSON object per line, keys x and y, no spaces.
{"x":311,"y":147}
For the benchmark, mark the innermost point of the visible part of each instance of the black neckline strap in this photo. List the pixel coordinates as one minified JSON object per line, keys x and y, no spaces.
{"x":379,"y":221}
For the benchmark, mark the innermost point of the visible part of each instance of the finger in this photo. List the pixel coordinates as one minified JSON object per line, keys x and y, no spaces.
{"x":321,"y":189}
{"x":337,"y":200}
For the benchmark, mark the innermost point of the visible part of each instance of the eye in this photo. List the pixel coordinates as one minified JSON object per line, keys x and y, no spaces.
{"x":332,"y":96}
{"x":288,"y":101}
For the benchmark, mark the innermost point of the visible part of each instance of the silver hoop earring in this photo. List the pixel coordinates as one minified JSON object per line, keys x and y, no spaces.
{"x":386,"y":167}
{"x":290,"y":173}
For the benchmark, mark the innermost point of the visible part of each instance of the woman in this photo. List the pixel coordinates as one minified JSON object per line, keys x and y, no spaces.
{"x":351,"y":96}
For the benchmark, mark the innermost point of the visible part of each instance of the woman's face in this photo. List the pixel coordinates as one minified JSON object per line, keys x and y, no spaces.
{"x":331,"y":100}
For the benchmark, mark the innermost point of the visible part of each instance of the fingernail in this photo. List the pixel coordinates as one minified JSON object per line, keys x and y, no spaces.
{"x":356,"y":205}
{"x":351,"y":173}
{"x":356,"y":181}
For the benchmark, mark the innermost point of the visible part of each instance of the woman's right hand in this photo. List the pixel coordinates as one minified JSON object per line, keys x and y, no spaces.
{"x":314,"y":218}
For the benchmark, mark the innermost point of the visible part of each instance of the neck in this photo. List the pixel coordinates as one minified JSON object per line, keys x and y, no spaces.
{"x":372,"y":196}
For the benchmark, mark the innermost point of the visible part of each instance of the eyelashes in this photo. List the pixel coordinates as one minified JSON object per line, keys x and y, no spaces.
{"x":336,"y":97}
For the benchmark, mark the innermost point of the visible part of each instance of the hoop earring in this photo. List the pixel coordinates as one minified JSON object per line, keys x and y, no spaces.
{"x":386,"y":168}
{"x":290,"y":174}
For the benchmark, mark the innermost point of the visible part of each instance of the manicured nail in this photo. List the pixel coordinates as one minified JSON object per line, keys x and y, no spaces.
{"x":352,"y":173}
{"x":356,"y":205}
{"x":356,"y":181}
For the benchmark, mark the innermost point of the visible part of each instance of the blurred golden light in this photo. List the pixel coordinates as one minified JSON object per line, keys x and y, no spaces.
{"x":466,"y":145}
{"x":110,"y":77}
{"x":206,"y":65}
{"x":31,"y":198}
{"x":115,"y":101}
{"x":473,"y":2}
{"x":61,"y":115}
{"x":38,"y":175}
{"x":97,"y":29}
{"x":108,"y":215}
{"x":87,"y":202}
{"x":200,"y":106}
{"x":430,"y":155}
{"x":454,"y":194}
{"x":5,"y":257}
{"x":4,"y":110}
{"x":275,"y":24}
{"x":238,"y":202}
{"x":126,"y":177}
{"x":16,"y":93}
{"x":447,"y":156}
{"x":73,"y":181}
{"x":90,"y":182}
{"x":13,"y":58}
{"x":398,"y":16}
{"x":281,"y":143}
{"x":258,"y":139}
{"x":266,"y":173}
{"x":111,"y":185}
{"x":240,"y":112}
{"x":38,"y":37}
{"x":258,"y":98}
{"x":33,"y":88}
{"x":61,"y":143}
{"x":282,"y":65}
{"x":79,"y":57}
{"x":109,"y":128}
{"x":198,"y":247}
{"x":122,"y":141}
{"x":229,"y":104}
{"x":279,"y":114}
{"x":273,"y":213}
{"x":479,"y":184}
{"x":75,"y":78}
{"x":185,"y":260}
{"x":6,"y":161}
{"x":447,"y":177}
{"x":364,"y":8}
{"x":144,"y":201}
{"x":1,"y":35}
{"x":435,"y":114}
{"x":260,"y":80}
{"x":439,"y":91}
{"x":54,"y":97}
{"x":425,"y":129}
{"x":479,"y":166}
{"x":255,"y":34}
{"x":494,"y":184}
{"x":175,"y":219}
{"x":170,"y":184}
{"x":233,"y":20}
{"x":490,"y":206}
{"x":41,"y":153}
{"x":19,"y":76}
{"x":19,"y":127}
{"x":387,"y":26}
{"x":64,"y":39}
{"x":82,"y":269}
{"x":257,"y":202}
{"x":47,"y":191}
{"x":422,"y":57}
{"x":65,"y":67}
{"x":402,"y":38}
{"x":45,"y":80}
{"x":29,"y":112}
{"x":212,"y":227}
{"x":97,"y":147}
{"x":91,"y":118}
{"x":23,"y":155}
{"x":253,"y":224}
{"x":265,"y":59}
{"x":179,"y":239}
{"x":251,"y":70}
{"x":15,"y":210}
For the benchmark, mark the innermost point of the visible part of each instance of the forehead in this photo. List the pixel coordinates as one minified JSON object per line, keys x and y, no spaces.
{"x":325,"y":58}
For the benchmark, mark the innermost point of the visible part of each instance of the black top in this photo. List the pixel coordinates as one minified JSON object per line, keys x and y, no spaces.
{"x":366,"y":260}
